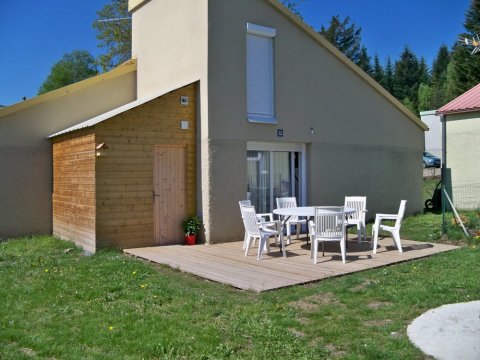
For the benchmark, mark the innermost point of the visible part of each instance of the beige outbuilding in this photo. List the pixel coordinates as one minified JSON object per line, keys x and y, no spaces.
{"x":462,"y":116}
{"x":26,"y":154}
{"x":278,"y":111}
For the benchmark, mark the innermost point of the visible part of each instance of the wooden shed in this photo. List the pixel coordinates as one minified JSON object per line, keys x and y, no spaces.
{"x":127,"y":178}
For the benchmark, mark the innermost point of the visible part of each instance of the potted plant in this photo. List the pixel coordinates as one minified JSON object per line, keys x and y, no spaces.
{"x":191,"y":226}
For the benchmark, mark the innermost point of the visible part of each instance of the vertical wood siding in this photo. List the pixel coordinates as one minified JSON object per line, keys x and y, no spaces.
{"x":125,"y":175}
{"x":74,"y":188}
{"x":170,"y":200}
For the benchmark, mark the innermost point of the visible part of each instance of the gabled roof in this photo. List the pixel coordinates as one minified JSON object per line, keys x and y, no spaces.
{"x":467,"y":102}
{"x":357,"y":70}
{"x":125,"y":68}
{"x":109,"y":114}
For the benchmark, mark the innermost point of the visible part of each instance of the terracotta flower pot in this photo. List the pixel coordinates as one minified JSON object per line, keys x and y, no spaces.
{"x":191,"y":239}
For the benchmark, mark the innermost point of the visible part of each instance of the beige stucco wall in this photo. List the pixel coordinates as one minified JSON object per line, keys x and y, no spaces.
{"x":362,"y":144}
{"x":169,"y":40}
{"x":26,"y":154}
{"x":463,"y":152}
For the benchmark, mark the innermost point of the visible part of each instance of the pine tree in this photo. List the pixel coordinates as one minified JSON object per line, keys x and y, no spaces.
{"x":389,"y":78}
{"x":292,"y":5}
{"x":365,"y":61}
{"x":378,"y":72}
{"x":406,"y":78}
{"x":463,"y":71}
{"x":425,"y":91}
{"x":439,"y":77}
{"x":472,"y":18}
{"x":423,"y":76}
{"x":344,"y":36}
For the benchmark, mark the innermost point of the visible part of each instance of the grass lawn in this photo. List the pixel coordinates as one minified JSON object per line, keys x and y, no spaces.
{"x":59,"y":304}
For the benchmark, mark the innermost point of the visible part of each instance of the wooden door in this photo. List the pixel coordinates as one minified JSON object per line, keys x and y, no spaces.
{"x":170,"y":193}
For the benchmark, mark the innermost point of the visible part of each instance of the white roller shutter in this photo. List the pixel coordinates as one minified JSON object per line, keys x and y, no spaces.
{"x":260,"y":87}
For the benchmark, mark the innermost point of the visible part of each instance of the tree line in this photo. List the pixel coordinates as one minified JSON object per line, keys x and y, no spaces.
{"x":409,"y":78}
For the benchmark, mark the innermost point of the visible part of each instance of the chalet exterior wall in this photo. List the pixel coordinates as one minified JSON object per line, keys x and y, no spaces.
{"x":125,"y":176}
{"x":74,"y":188}
{"x":363,"y":141}
{"x":122,"y":180}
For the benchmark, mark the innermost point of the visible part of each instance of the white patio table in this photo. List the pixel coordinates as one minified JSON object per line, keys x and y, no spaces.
{"x":305,"y":211}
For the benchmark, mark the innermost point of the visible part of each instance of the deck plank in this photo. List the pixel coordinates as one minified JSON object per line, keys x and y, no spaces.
{"x":226,"y":263}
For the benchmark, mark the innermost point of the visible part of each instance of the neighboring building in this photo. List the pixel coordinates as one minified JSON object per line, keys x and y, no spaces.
{"x":278,"y":111}
{"x":462,"y":117}
{"x":433,"y":137}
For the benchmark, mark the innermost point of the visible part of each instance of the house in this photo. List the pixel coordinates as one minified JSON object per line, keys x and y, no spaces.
{"x":277,"y":111}
{"x":462,"y":116}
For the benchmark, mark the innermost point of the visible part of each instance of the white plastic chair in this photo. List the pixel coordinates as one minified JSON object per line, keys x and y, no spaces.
{"x":359,"y":203}
{"x":264,"y":220}
{"x":290,"y":202}
{"x":328,"y":225}
{"x":255,"y":231}
{"x":394,"y":230}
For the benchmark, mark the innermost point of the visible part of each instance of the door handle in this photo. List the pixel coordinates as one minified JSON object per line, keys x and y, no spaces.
{"x":154,"y":195}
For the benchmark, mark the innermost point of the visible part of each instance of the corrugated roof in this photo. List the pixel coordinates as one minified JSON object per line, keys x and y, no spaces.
{"x":119,"y":110}
{"x":469,"y":101}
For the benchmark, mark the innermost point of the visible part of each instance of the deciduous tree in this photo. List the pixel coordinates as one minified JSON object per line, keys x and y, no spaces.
{"x":114,"y":31}
{"x":73,"y":67}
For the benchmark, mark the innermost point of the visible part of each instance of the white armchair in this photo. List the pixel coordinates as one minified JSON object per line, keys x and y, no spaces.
{"x":359,"y":203}
{"x":328,"y":225}
{"x":265,"y":220}
{"x":253,"y":231}
{"x":394,"y":230}
{"x":291,"y":202}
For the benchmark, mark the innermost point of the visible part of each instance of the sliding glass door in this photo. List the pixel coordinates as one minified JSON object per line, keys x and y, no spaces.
{"x":272,"y":173}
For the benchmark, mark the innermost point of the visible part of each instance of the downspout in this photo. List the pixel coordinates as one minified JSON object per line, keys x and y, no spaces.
{"x":444,"y":169}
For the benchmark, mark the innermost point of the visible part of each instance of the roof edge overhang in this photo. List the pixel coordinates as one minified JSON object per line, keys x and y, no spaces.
{"x":358,"y":71}
{"x":131,"y":105}
{"x":458,"y":111}
{"x":125,"y":68}
{"x":134,"y":5}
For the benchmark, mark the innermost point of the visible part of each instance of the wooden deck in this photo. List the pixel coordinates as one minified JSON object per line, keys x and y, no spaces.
{"x":226,"y":263}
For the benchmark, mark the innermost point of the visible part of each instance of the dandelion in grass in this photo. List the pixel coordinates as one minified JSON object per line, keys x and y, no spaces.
{"x":46,"y":270}
{"x":110,"y":328}
{"x":143,"y":286}
{"x":134,"y":273}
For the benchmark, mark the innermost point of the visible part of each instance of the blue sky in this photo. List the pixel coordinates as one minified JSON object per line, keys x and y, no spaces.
{"x":35,"y":34}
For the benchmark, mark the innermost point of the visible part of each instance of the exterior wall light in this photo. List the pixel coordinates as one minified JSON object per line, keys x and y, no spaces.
{"x":101,"y":149}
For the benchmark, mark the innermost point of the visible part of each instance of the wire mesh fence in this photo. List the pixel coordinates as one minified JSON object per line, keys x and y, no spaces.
{"x":466,"y":197}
